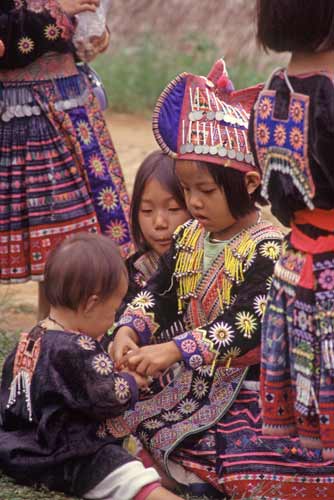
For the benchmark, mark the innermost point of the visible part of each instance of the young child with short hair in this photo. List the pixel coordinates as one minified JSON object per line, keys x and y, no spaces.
{"x":59,"y":386}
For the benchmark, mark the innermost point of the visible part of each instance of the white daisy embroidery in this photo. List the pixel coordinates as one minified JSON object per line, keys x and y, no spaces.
{"x":260,"y":305}
{"x":86,"y":343}
{"x":122,"y":389}
{"x":188,"y":406}
{"x":102,"y":364}
{"x":200,"y":387}
{"x":246,"y":323}
{"x":171,"y":416}
{"x":221,"y":334}
{"x":232,"y":352}
{"x":143,"y":300}
{"x":204,"y":370}
{"x":270,"y":249}
{"x":153,"y":423}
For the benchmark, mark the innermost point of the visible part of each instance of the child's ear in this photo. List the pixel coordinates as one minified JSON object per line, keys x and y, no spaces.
{"x":252,"y":181}
{"x":91,"y":303}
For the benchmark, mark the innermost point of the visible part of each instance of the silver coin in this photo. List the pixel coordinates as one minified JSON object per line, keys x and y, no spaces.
{"x":240,"y":156}
{"x":205,"y":149}
{"x":213,"y":150}
{"x":183,"y":149}
{"x":66,"y":105}
{"x":220,"y":115}
{"x":198,"y":149}
{"x":233,"y":120}
{"x":199,"y":115}
{"x":231,"y":154}
{"x":189,"y":147}
{"x":6,"y":117}
{"x":192,"y":116}
{"x":36,"y":110}
{"x":27,"y":110}
{"x":248,"y":157}
{"x":222,"y":151}
{"x":210,"y":115}
{"x":18,"y":111}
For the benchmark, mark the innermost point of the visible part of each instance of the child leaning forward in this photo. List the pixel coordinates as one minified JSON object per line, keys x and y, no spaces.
{"x":59,"y":385}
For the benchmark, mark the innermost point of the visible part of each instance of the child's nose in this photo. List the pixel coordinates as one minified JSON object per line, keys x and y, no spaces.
{"x":195,"y":201}
{"x":160,"y":221}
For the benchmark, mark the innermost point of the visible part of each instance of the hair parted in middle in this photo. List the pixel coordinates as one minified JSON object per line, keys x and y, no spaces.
{"x":296,"y":25}
{"x":83,"y":265}
{"x":157,"y":165}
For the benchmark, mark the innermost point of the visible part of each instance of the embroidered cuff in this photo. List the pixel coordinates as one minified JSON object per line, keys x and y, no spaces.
{"x":194,"y":352}
{"x":141,"y":321}
{"x":129,"y":379}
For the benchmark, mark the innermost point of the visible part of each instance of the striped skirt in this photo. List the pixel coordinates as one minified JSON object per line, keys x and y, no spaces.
{"x":59,"y":173}
{"x":240,"y":462}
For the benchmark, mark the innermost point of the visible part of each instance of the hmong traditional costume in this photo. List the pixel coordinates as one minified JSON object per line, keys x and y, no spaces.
{"x":293,"y":140}
{"x":59,"y":172}
{"x":208,"y":418}
{"x":57,"y":390}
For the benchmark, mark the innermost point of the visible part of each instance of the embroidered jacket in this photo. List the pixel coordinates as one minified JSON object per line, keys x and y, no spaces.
{"x":213,"y":316}
{"x":57,"y":389}
{"x":30,"y":28}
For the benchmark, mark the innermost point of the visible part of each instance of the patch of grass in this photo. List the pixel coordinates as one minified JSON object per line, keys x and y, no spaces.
{"x":135,"y":76}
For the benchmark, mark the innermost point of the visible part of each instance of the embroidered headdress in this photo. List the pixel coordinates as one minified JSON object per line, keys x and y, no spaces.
{"x":201,"y":118}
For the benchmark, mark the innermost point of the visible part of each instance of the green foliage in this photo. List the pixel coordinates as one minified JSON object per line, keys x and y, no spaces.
{"x":134,"y":77}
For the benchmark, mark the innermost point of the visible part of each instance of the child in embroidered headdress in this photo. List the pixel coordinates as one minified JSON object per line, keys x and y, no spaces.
{"x":59,"y":385}
{"x":208,"y":296}
{"x":293,"y":134}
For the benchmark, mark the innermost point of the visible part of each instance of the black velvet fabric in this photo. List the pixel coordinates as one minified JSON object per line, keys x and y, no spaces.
{"x":22,"y":22}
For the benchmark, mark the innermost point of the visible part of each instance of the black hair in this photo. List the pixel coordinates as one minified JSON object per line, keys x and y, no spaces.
{"x":232,"y":181}
{"x":295,"y":25}
{"x":159,"y":166}
{"x":84,"y":264}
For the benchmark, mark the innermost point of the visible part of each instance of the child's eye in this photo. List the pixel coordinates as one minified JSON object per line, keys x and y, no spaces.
{"x":174,"y":209}
{"x":146,"y":210}
{"x":208,"y":191}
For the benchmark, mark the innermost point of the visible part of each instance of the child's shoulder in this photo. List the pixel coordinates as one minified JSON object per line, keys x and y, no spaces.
{"x":265,"y":230}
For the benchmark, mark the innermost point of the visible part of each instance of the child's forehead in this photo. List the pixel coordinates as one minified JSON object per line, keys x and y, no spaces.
{"x":193,"y":171}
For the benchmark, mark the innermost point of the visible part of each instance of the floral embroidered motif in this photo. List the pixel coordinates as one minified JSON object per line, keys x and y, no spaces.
{"x":107,"y":199}
{"x":280,"y":135}
{"x":297,"y":112}
{"x":84,"y":132}
{"x":260,"y":303}
{"x":263,"y":133}
{"x":18,"y":4}
{"x":326,"y":279}
{"x":188,"y":346}
{"x":232,"y":352}
{"x":143,"y":300}
{"x":221,"y":334}
{"x":246,"y":322}
{"x":195,"y":361}
{"x":36,"y":5}
{"x":96,"y":166}
{"x":296,"y":138}
{"x":188,"y":406}
{"x":25,"y":45}
{"x":171,"y":416}
{"x":200,"y":387}
{"x":122,"y":389}
{"x":153,"y":424}
{"x":270,"y":249}
{"x":204,"y":370}
{"x":117,"y":230}
{"x":51,"y":32}
{"x":86,"y":343}
{"x":102,"y":364}
{"x":265,"y":108}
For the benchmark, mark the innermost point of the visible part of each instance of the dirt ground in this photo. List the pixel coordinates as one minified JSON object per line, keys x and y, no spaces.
{"x":133,"y":139}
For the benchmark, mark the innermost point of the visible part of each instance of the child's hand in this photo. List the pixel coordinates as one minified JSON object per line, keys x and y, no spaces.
{"x":72,"y":7}
{"x":125,"y":340}
{"x":151,"y":360}
{"x":141,"y":381}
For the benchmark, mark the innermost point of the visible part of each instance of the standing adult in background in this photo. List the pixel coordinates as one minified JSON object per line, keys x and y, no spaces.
{"x":59,"y":172}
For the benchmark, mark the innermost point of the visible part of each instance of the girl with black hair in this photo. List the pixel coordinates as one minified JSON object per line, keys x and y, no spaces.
{"x":292,"y":131}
